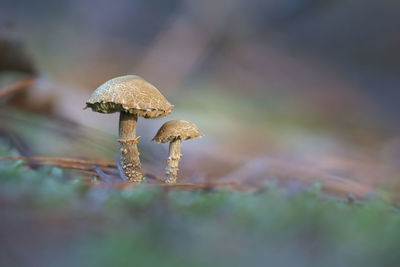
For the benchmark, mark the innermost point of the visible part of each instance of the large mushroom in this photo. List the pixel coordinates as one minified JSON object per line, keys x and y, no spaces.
{"x":174,"y":132}
{"x":132,"y":97}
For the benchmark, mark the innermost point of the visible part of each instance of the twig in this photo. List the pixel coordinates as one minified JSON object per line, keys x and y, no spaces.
{"x":150,"y":176}
{"x":101,"y":163}
{"x":102,"y":175}
{"x":197,"y":186}
{"x":67,"y":164}
{"x":17,"y":142}
{"x":61,"y":165}
{"x":17,"y":87}
{"x":179,"y":186}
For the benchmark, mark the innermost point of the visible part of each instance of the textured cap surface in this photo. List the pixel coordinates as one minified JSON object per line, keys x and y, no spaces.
{"x":175,"y":129}
{"x":131,"y":94}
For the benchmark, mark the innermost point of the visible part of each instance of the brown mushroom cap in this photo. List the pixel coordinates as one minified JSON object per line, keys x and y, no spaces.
{"x":175,"y":129}
{"x":131,"y":94}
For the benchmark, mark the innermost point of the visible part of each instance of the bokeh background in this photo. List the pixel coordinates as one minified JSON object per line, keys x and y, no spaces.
{"x":295,"y":91}
{"x":298,"y":100}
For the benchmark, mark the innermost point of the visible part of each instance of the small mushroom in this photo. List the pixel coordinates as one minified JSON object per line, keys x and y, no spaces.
{"x":174,"y":132}
{"x":132,"y":97}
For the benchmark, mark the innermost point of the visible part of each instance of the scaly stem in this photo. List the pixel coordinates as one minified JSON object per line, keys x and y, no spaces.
{"x":173,"y":161}
{"x":130,"y":160}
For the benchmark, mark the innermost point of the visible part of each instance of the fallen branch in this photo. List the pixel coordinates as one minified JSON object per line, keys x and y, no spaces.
{"x":179,"y":185}
{"x":100,"y":163}
{"x":62,"y":166}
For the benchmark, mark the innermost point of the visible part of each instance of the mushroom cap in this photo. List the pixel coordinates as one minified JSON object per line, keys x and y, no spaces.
{"x":177,"y":129}
{"x":131,"y":94}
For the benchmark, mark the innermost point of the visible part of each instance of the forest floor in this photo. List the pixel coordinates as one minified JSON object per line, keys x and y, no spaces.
{"x":273,"y":189}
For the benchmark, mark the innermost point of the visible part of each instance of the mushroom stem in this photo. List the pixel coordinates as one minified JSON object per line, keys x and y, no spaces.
{"x":130,"y":160}
{"x":173,"y":161}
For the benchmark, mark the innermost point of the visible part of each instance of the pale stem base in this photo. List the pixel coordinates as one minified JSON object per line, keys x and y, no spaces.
{"x":173,"y":161}
{"x":130,"y":160}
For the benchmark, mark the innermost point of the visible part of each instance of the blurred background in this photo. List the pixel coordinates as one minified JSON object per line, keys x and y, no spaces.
{"x":290,"y":94}
{"x":295,"y":91}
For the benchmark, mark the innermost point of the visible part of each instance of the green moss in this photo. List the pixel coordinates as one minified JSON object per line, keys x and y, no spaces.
{"x":149,"y":226}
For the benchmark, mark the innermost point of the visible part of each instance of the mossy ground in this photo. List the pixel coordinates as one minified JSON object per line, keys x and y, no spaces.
{"x":49,"y":219}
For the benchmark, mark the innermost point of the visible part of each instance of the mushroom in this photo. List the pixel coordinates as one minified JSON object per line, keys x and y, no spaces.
{"x":174,"y":132}
{"x":132,"y":97}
